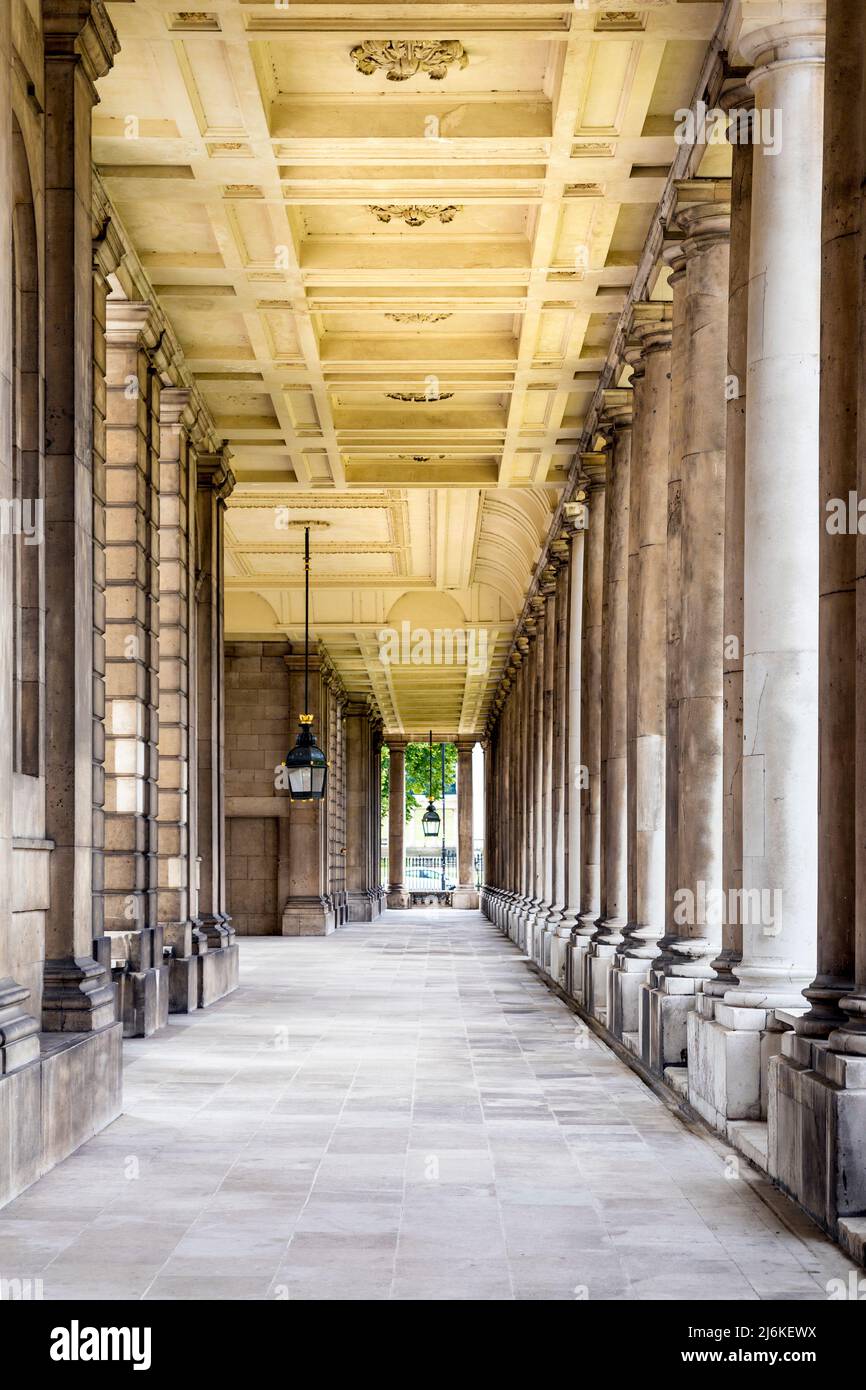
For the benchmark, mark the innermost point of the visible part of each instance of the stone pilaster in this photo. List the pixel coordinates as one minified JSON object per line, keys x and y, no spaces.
{"x":218,"y":966}
{"x":79,"y":48}
{"x":175,"y":828}
{"x":132,"y":665}
{"x":19,"y":1041}
{"x":618,"y":405}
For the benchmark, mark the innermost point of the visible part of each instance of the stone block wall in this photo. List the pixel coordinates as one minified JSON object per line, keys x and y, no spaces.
{"x":259,"y":731}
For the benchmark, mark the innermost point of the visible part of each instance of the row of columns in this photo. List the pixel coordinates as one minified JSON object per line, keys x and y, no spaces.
{"x":710,"y":938}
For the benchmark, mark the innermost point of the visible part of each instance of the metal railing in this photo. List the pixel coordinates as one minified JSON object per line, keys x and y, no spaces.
{"x":425,"y":870}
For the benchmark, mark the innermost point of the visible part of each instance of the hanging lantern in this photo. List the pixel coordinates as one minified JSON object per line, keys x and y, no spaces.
{"x":430,"y":820}
{"x":306,"y":763}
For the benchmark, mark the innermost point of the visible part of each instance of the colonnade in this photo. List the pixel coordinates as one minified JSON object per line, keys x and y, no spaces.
{"x":700,"y":599}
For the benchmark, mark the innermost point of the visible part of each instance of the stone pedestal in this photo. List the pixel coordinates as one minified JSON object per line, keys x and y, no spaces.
{"x":817,"y":1124}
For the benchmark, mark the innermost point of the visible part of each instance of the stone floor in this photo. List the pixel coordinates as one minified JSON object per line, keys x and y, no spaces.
{"x":401,"y":1110}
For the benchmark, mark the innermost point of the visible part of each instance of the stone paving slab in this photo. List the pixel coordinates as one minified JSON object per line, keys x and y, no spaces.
{"x":401,"y":1110}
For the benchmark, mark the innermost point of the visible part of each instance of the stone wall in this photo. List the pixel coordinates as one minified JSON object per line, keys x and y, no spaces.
{"x":258,"y":736}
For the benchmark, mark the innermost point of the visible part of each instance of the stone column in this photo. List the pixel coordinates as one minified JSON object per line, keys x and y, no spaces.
{"x":725,"y":1066}
{"x":614,"y":647}
{"x":79,"y":47}
{"x":559,"y":550}
{"x":526,"y":904}
{"x":673,"y":257}
{"x":465,"y":895}
{"x":362,"y":793}
{"x":646,"y":670}
{"x":594,"y":466}
{"x":693,"y":938}
{"x":535,"y":734}
{"x":817,"y":1088}
{"x":214,"y":484}
{"x":780,"y":618}
{"x":578,"y":516}
{"x":741,"y":99}
{"x":397,"y":895}
{"x":132,"y":667}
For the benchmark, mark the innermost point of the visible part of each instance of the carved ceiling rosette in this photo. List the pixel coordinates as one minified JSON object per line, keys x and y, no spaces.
{"x":401,"y":59}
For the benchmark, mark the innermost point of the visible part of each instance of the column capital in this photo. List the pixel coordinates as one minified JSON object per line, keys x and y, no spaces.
{"x":796,"y":35}
{"x":652,"y":326}
{"x":594,"y":465}
{"x":674,"y":257}
{"x":127,"y":322}
{"x":174,"y":406}
{"x":619,"y":406}
{"x":214,"y":474}
{"x":80,"y":29}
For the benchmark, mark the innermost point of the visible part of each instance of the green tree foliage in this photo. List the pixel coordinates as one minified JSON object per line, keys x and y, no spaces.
{"x":417,"y":757}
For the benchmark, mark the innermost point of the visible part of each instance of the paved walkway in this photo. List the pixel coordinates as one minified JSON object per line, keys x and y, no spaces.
{"x":402,"y":1110}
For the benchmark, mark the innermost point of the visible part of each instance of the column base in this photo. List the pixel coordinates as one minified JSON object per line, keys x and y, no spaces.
{"x":19,"y":1031}
{"x":665,"y":1022}
{"x":626,"y":975}
{"x":398,"y":898}
{"x":143,"y":999}
{"x":817,"y":1130}
{"x":184,"y":941}
{"x":362,"y":907}
{"x":78,"y":996}
{"x":218,"y":973}
{"x":309,"y":916}
{"x":465,"y":898}
{"x":57,"y":1102}
{"x":729,"y":1051}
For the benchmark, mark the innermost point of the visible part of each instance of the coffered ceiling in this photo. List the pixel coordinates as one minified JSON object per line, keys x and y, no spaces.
{"x":394,"y":241}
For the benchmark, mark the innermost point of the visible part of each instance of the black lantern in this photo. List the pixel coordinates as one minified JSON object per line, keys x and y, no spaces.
{"x":430,"y":819}
{"x":306,"y":763}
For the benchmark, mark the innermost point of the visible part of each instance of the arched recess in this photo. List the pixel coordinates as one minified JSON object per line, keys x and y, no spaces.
{"x":27,"y":514}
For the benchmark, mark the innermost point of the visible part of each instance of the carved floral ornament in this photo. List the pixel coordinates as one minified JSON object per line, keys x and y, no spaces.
{"x":415,"y":214}
{"x":417,"y":318}
{"x":418,"y":397}
{"x":401,"y":59}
